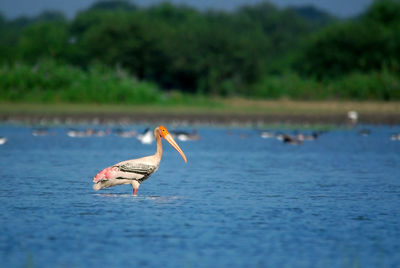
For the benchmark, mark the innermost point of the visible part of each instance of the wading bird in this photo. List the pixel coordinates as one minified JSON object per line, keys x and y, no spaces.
{"x":3,"y":140}
{"x":146,"y":137}
{"x":185,"y":136}
{"x":135,"y":171}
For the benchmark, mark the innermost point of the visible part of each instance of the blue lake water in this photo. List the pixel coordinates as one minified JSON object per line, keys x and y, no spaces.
{"x":240,"y":201}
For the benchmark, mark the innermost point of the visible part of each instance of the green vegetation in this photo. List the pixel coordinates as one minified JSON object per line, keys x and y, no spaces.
{"x":117,"y":53}
{"x":51,"y":82}
{"x":371,"y":43}
{"x":48,"y":82}
{"x":383,"y":85}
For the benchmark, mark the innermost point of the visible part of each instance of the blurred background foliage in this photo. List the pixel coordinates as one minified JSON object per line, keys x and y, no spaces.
{"x":116,"y":52}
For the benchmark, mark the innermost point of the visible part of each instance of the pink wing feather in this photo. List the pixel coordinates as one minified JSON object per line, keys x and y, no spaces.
{"x":106,"y":174}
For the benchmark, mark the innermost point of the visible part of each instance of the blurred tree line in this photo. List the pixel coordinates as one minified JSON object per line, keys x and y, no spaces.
{"x":255,"y":51}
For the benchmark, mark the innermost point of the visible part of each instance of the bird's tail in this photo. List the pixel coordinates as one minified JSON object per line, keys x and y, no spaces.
{"x":105,"y":184}
{"x":97,"y":186}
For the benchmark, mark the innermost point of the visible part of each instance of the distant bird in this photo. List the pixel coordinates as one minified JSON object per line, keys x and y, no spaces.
{"x":135,"y":171}
{"x":125,"y":134}
{"x":352,"y":117}
{"x":185,"y":136}
{"x":73,"y":133}
{"x":280,"y":136}
{"x":3,"y":140}
{"x":267,"y":135}
{"x":40,"y":132}
{"x":364,"y":132}
{"x":311,"y":137}
{"x":298,"y":139}
{"x":146,"y":137}
{"x":395,"y":137}
{"x":100,"y":133}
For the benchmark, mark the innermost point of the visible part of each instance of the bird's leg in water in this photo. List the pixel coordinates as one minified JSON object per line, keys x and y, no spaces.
{"x":135,"y":186}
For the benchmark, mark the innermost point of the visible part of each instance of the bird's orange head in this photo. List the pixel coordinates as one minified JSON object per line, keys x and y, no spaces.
{"x":163,"y":131}
{"x":165,"y":134}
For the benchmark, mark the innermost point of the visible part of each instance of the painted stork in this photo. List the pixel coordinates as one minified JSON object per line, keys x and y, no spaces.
{"x":135,"y":171}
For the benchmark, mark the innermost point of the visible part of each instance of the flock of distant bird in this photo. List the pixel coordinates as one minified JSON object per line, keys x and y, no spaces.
{"x":147,"y":137}
{"x":300,"y":137}
{"x":291,"y":139}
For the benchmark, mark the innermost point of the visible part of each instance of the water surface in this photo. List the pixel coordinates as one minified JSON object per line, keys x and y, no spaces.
{"x":240,"y":201}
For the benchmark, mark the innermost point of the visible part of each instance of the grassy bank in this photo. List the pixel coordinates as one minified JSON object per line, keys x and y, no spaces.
{"x":320,"y":115}
{"x":234,"y":106}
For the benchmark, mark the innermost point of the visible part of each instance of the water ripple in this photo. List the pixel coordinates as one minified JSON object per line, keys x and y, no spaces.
{"x":237,"y":203}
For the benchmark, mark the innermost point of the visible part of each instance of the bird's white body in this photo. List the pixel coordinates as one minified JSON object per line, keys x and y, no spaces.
{"x":267,"y":135}
{"x":3,"y":140}
{"x":78,"y":133}
{"x":146,"y":138}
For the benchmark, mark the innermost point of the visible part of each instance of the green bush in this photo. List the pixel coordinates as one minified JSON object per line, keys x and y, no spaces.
{"x":289,"y":85}
{"x":367,"y":86}
{"x":382,"y":86}
{"x":48,"y":81}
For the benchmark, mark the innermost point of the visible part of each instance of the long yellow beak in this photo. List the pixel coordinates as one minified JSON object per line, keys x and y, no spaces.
{"x":171,"y":141}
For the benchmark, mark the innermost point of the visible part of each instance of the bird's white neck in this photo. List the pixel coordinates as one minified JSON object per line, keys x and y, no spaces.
{"x":159,"y":151}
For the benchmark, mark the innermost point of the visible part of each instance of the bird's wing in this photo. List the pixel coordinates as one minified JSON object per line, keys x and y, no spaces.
{"x":139,"y":171}
{"x":137,"y":168}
